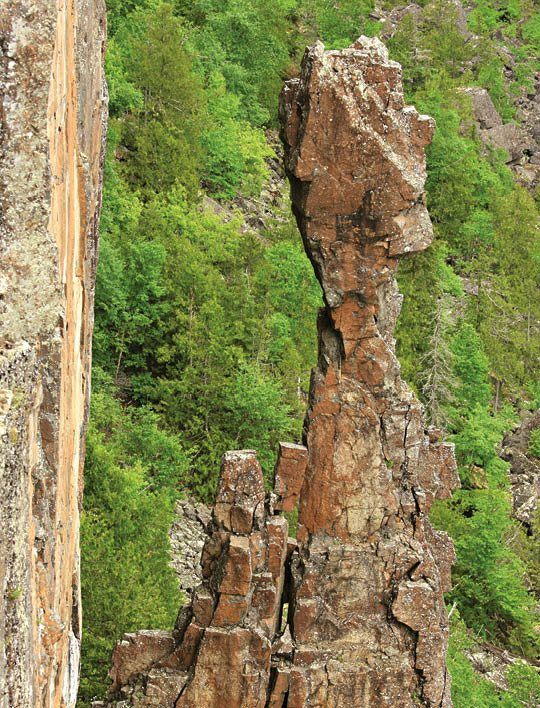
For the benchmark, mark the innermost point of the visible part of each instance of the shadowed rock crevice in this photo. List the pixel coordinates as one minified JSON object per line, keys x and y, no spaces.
{"x":364,"y":580}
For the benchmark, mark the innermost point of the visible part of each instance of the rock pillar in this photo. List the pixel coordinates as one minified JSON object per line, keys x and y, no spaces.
{"x":368,"y":619}
{"x":351,"y":613}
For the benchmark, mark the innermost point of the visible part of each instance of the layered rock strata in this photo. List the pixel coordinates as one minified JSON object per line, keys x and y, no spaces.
{"x":351,"y":613}
{"x":52,"y":125}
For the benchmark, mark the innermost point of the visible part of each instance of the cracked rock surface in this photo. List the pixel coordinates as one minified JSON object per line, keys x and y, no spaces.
{"x":53,"y":111}
{"x":368,"y":618}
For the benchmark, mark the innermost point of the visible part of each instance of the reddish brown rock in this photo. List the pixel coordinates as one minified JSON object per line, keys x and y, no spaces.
{"x":221,"y":649}
{"x":369,"y":627}
{"x":232,"y":670}
{"x":137,"y":653}
{"x":231,"y":610}
{"x":289,"y":475}
{"x":277,"y":529}
{"x":240,"y":497}
{"x":203,"y":606}
{"x":212,"y":552}
{"x":265,"y":598}
{"x":279,"y":688}
{"x":185,"y":653}
{"x":236,"y":567}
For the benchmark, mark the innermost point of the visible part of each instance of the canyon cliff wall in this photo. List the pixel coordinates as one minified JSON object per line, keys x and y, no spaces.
{"x":351,"y":612}
{"x":52,"y":123}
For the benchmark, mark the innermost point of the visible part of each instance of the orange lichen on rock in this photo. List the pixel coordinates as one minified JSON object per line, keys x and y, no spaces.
{"x":53,"y":110}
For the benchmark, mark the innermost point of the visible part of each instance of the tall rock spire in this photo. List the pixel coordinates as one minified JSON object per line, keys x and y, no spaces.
{"x":368,"y":618}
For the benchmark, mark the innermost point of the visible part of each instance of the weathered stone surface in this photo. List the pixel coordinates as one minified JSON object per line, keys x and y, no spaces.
{"x":137,"y":653}
{"x":157,"y":688}
{"x":368,"y":616}
{"x":394,"y":18}
{"x":483,"y":108}
{"x":237,"y":573}
{"x":52,"y":119}
{"x":289,"y":475}
{"x":187,"y":535}
{"x":524,"y":469}
{"x":232,"y":670}
{"x":508,"y":137}
{"x":203,"y":606}
{"x":240,"y":496}
{"x":184,"y":654}
{"x":231,"y":610}
{"x":222,"y":646}
{"x":279,"y":688}
{"x":515,"y":140}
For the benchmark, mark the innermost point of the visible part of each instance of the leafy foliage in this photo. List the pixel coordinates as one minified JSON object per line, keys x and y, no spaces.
{"x":132,"y":468}
{"x":534,"y":443}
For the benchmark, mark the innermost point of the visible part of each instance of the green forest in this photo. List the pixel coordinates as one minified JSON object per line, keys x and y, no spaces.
{"x":206,"y":304}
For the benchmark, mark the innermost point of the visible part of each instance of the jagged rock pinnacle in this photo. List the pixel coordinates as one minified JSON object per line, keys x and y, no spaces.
{"x":369,"y":622}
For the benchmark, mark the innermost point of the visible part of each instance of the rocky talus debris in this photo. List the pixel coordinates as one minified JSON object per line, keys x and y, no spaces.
{"x":187,"y":536}
{"x":519,"y":138}
{"x":351,"y":613}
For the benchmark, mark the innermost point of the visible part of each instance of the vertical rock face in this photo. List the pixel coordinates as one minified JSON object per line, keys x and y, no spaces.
{"x":368,"y":618}
{"x":363,"y":583}
{"x":52,"y":125}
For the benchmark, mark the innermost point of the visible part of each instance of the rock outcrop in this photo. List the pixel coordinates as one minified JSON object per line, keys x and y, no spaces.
{"x":52,"y":125}
{"x":368,"y":618}
{"x":510,"y":137}
{"x":518,"y":138}
{"x":351,"y":613}
{"x":187,"y":537}
{"x":228,"y":647}
{"x":524,"y":470}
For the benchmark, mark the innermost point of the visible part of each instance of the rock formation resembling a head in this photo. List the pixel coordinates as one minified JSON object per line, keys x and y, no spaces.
{"x":357,"y":155}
